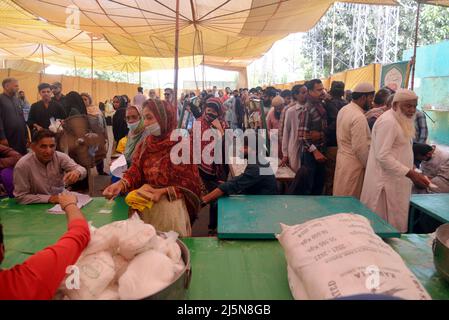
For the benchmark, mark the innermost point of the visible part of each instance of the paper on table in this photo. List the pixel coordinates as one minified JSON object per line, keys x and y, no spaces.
{"x":83,"y":199}
{"x":119,"y":166}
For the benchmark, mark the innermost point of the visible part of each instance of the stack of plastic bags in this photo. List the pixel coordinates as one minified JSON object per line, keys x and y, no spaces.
{"x":125,"y":260}
{"x":340,"y":256}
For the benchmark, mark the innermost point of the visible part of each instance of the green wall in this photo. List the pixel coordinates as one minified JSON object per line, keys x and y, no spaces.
{"x":432,"y":87}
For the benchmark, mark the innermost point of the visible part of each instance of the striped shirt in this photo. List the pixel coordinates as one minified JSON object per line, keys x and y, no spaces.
{"x":421,"y":127}
{"x":314,"y":118}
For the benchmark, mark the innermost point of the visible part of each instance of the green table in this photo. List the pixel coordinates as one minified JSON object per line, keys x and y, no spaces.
{"x":259,"y":217}
{"x":30,"y":228}
{"x":237,"y":270}
{"x":416,"y":251}
{"x":435,"y":205}
{"x":221,"y":269}
{"x":256,"y":269}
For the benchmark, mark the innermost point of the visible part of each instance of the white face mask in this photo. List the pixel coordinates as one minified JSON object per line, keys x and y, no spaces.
{"x":154,"y":129}
{"x":133,"y":126}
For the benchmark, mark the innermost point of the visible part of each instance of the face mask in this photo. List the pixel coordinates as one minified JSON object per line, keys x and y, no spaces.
{"x":133,"y":126}
{"x":153,"y":129}
{"x":211,"y":117}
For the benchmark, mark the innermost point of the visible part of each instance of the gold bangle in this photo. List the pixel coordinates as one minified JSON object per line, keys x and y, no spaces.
{"x":74,"y":203}
{"x":124,"y":185}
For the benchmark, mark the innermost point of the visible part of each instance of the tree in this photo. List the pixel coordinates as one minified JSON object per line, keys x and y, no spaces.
{"x":342,"y":24}
{"x":104,"y":75}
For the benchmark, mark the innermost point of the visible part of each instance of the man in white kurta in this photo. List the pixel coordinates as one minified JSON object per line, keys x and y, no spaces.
{"x":290,"y":141}
{"x":353,"y":139}
{"x":389,"y":173}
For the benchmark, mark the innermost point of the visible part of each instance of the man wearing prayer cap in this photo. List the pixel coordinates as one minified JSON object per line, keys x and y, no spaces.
{"x":389,"y":173}
{"x":353,"y":140}
{"x":274,"y":115}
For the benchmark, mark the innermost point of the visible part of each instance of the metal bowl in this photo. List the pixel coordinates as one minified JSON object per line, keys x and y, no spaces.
{"x":178,"y":289}
{"x":441,"y":251}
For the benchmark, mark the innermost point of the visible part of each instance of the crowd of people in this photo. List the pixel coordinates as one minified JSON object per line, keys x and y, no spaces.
{"x":361,"y":143}
{"x":357,"y":143}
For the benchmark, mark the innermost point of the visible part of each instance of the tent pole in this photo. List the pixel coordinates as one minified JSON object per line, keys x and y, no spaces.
{"x":176,"y":54}
{"x":92,"y":63}
{"x":43,"y":58}
{"x":127,"y":73}
{"x":140,"y":72}
{"x":333,"y":40}
{"x":415,"y":45}
{"x":74,"y":63}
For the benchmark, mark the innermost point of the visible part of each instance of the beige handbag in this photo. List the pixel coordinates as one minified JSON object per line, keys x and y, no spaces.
{"x":167,"y":216}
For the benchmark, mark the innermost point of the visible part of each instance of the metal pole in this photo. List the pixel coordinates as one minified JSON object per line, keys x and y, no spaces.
{"x":92,"y":64}
{"x":415,"y":45}
{"x":333,"y":39}
{"x":127,"y":73}
{"x":176,"y":55}
{"x":43,"y":58}
{"x":140,"y":72}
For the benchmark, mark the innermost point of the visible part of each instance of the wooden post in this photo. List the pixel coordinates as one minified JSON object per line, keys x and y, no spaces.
{"x":176,"y":56}
{"x":415,"y":45}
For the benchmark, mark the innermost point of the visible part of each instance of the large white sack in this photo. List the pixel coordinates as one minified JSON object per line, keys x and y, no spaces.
{"x":147,"y":274}
{"x":120,"y":266}
{"x":110,"y":293}
{"x":296,"y":286}
{"x":105,"y":238}
{"x":96,"y":272}
{"x":340,"y":255}
{"x":168,"y":246}
{"x":135,"y":238}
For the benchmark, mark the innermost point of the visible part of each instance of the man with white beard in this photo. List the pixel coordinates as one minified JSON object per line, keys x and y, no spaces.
{"x":389,"y":173}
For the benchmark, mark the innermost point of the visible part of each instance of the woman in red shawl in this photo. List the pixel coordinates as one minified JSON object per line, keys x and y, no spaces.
{"x":151,"y":165}
{"x":212,"y":174}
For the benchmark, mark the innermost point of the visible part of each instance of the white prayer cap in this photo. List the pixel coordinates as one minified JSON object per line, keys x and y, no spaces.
{"x":364,"y":87}
{"x":404,"y":95}
{"x":277,"y":101}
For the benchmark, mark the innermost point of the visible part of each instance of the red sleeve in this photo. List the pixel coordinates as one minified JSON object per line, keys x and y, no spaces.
{"x":39,"y":277}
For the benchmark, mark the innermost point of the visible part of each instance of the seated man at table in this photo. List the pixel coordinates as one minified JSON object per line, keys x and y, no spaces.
{"x":42,"y":174}
{"x":434,"y":165}
{"x":40,"y":276}
{"x":257,"y":179}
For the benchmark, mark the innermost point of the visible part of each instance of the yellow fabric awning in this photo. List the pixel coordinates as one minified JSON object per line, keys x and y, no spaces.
{"x":226,"y":33}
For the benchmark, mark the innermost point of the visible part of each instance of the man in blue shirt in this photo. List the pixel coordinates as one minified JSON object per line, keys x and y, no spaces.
{"x":257,"y":179}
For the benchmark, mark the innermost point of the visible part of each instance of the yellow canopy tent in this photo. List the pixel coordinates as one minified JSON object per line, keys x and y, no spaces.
{"x":24,"y":36}
{"x":224,"y":34}
{"x":236,"y":30}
